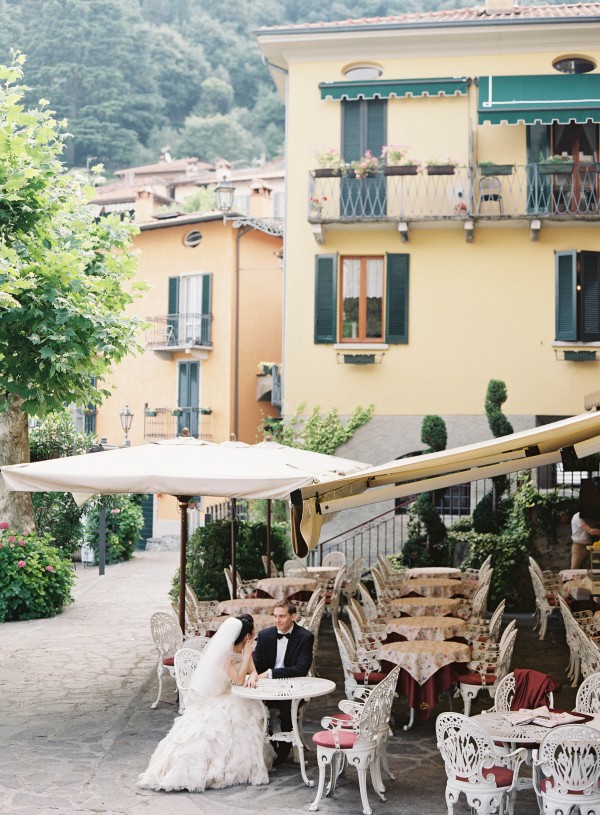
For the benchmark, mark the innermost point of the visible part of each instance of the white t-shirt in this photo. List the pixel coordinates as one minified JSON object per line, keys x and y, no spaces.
{"x":578,"y":533}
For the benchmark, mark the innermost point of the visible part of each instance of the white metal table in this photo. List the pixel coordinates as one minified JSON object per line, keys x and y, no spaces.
{"x":295,"y":690}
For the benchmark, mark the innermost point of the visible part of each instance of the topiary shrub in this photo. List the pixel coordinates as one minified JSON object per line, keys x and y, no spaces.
{"x":124,"y":521}
{"x":209,"y":552}
{"x":35,"y":580}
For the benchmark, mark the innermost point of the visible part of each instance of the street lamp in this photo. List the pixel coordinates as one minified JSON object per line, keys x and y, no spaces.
{"x":126,"y":416}
{"x":224,"y":193}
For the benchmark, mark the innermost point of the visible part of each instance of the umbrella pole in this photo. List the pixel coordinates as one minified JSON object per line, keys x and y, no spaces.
{"x":233,"y":547}
{"x":268,"y":537}
{"x":183,"y":503}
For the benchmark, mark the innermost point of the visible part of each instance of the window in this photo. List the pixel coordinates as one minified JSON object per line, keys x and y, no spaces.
{"x":188,"y":398}
{"x":578,"y":296}
{"x":356,"y":73}
{"x":189,"y":305}
{"x":573,"y":65}
{"x":367,"y":297}
{"x":192,"y":238}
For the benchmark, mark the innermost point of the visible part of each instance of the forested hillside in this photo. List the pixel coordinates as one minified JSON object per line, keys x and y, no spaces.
{"x":134,"y":76}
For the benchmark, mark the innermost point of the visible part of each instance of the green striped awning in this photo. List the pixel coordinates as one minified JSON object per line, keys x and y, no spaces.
{"x":398,"y":88}
{"x":542,"y":99}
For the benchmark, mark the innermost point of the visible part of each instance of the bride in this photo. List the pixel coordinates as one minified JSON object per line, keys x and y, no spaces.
{"x":203,"y":748}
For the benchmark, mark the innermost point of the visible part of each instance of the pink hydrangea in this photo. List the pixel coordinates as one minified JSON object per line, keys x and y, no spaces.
{"x":11,"y":539}
{"x":4,"y":525}
{"x":49,"y":568}
{"x":12,"y":546}
{"x":21,"y":543}
{"x":21,"y":564}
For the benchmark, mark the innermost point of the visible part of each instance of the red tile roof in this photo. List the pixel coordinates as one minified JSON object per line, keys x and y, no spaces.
{"x":473,"y":14}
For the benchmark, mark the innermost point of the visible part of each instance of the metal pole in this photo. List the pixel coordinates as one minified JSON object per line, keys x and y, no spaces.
{"x":234,"y":547}
{"x":268,"y":537}
{"x":102,"y":538}
{"x":183,"y":503}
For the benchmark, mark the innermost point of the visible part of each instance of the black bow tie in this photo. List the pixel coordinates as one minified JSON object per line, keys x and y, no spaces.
{"x":287,"y":636}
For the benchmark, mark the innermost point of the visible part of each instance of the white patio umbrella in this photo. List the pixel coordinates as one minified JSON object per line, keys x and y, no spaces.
{"x":182,"y":467}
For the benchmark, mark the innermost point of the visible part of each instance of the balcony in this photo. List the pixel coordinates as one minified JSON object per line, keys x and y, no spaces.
{"x":180,"y":332}
{"x":548,"y":192}
{"x":166,"y":423}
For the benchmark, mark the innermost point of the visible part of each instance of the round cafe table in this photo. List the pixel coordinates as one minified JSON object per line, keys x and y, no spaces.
{"x":426,"y":628}
{"x":432,"y":586}
{"x":295,"y":689}
{"x":433,"y":571}
{"x":424,"y":606}
{"x":280,"y":588}
{"x":322,"y":572}
{"x":249,"y":605}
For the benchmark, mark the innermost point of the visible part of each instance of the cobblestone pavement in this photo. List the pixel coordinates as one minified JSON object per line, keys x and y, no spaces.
{"x":76,"y":727}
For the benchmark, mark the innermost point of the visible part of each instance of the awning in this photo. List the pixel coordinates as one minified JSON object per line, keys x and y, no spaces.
{"x":397,"y":88}
{"x":542,"y":99}
{"x":537,"y":447}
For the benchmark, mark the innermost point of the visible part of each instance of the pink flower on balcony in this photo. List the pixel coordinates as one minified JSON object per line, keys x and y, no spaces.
{"x":11,"y":539}
{"x":4,"y":525}
{"x":49,"y":568}
{"x":21,"y":564}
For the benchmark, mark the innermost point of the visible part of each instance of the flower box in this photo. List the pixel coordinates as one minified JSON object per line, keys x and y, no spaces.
{"x":176,"y":412}
{"x":327,"y":172}
{"x":401,"y":169}
{"x":580,"y":356}
{"x":440,"y":169}
{"x":495,"y":169}
{"x":151,"y":412}
{"x":556,"y":167}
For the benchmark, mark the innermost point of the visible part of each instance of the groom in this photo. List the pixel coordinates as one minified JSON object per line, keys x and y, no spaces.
{"x":283,"y":651}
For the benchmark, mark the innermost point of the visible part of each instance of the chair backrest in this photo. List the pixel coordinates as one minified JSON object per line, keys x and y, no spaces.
{"x":313,"y":602}
{"x":347,"y":638}
{"x":314,"y":621}
{"x":346,"y":657}
{"x":273,"y":567}
{"x":378,"y":708}
{"x":505,"y":693}
{"x":357,"y":622}
{"x":486,"y":563}
{"x":333,"y":596}
{"x":229,"y":579}
{"x":539,"y":590}
{"x":166,"y":633}
{"x":489,"y":188}
{"x":186,"y":662}
{"x":570,"y":756}
{"x":334,"y":559}
{"x":196,"y":643}
{"x":379,"y":583}
{"x":479,"y":602}
{"x":368,"y":603}
{"x":588,"y":695}
{"x":294,"y":568}
{"x":506,"y":647}
{"x":496,"y":621}
{"x":353,"y":575}
{"x":466,"y":748}
{"x":533,"y":564}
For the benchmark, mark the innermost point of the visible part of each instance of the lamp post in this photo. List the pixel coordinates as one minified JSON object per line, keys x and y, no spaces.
{"x":126,"y":416}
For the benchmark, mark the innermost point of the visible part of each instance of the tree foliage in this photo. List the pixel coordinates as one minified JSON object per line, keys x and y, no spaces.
{"x":321,"y":432}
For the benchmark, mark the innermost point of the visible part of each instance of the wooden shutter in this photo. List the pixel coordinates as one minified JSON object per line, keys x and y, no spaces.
{"x":538,"y":186}
{"x":396,"y":299}
{"x":375,"y":125}
{"x":566,"y":295}
{"x":590,"y":300}
{"x":325,"y":298}
{"x":352,"y":147}
{"x":173,"y":309}
{"x":205,"y":310}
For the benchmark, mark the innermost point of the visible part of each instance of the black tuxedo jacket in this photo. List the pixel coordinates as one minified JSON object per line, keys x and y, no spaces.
{"x":298,"y":654}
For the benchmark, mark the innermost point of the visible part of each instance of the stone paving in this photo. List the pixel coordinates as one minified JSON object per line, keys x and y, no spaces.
{"x":76,"y":727}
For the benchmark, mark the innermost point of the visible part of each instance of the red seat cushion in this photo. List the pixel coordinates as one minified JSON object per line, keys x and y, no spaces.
{"x":374,"y":678}
{"x":169,"y":661}
{"x":324,"y":738}
{"x":503,"y":776}
{"x":475,"y":679}
{"x":547,"y":785}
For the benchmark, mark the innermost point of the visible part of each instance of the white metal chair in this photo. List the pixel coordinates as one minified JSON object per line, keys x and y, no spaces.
{"x":186,"y":661}
{"x":487,"y":630}
{"x":588,"y":695}
{"x":313,"y":624}
{"x":487,"y":667}
{"x":295,"y":568}
{"x":357,"y":742}
{"x":505,"y":692}
{"x":168,"y":638}
{"x":274,"y":572}
{"x":335,"y":559}
{"x":333,"y":594}
{"x":566,"y":770}
{"x":358,"y":670}
{"x":475,"y":767}
{"x":543,"y":606}
{"x":353,"y":575}
{"x":489,"y":191}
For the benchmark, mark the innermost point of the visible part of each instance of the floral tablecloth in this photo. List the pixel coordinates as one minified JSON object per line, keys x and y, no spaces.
{"x":573,"y":574}
{"x":432,"y":586}
{"x":426,"y":628}
{"x":433,"y":571}
{"x":424,"y":606}
{"x":422,"y":659}
{"x":249,"y":605}
{"x":280,"y":588}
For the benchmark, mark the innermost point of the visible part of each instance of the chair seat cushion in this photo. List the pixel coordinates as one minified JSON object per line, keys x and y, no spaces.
{"x":503,"y":776}
{"x":169,"y":661}
{"x":374,"y":678}
{"x":325,"y":738}
{"x":475,"y":679}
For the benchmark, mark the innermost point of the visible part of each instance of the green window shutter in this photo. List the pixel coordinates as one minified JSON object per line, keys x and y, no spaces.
{"x":566,"y":295}
{"x":206,"y":310}
{"x":376,"y":125}
{"x":351,"y":131}
{"x":326,"y":299}
{"x":590,"y":301}
{"x":396,"y":299}
{"x":173,"y":307}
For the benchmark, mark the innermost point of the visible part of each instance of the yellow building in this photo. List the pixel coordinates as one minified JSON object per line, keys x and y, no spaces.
{"x":214,"y":305}
{"x":411,"y":288}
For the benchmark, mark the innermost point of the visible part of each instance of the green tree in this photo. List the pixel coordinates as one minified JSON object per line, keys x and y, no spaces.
{"x":211,"y":137}
{"x":62,"y":278}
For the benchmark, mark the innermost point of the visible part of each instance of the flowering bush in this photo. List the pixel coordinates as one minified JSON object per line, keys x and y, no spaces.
{"x":124,"y":521}
{"x":396,"y":154}
{"x":368,"y":164}
{"x":35,"y":579}
{"x":329,"y":159}
{"x":317,"y":204}
{"x":442,"y":162}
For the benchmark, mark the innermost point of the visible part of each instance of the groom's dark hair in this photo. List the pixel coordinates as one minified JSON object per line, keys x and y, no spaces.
{"x":247,"y":622}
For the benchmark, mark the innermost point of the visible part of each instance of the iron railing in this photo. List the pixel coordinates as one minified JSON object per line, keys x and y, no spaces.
{"x":179,"y":330}
{"x":562,"y":191}
{"x":166,"y":422}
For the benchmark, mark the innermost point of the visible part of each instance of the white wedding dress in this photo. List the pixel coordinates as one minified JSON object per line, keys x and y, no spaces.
{"x":218,"y":741}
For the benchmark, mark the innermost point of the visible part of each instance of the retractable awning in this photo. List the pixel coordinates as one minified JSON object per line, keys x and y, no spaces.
{"x":544,"y":99}
{"x":398,"y":88}
{"x":409,"y":476}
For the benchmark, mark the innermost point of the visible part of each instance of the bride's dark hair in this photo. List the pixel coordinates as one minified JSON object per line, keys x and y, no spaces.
{"x":247,"y":622}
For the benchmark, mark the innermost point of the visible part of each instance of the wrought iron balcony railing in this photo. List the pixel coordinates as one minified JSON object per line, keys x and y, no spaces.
{"x":179,"y":330}
{"x":166,"y":422}
{"x":556,"y":191}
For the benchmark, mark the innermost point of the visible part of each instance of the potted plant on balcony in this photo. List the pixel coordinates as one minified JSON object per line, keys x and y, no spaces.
{"x":366,"y":166}
{"x":316,"y":206}
{"x":488,"y":168}
{"x":151,"y":412}
{"x":396,"y":161}
{"x":205,"y":411}
{"x":176,"y":411}
{"x":445,"y":166}
{"x":329,"y":163}
{"x":555,"y":165}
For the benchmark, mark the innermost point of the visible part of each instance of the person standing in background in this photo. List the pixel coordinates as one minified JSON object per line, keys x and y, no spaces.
{"x":583,"y":535}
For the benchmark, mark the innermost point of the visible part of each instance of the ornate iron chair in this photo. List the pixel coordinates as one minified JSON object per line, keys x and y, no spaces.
{"x":295,"y":568}
{"x":545,"y":603}
{"x":588,"y":695}
{"x":487,"y":668}
{"x":335,"y":559}
{"x":566,"y":770}
{"x":186,"y":662}
{"x":475,"y":767}
{"x":167,"y":638}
